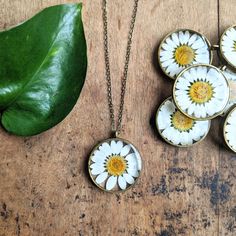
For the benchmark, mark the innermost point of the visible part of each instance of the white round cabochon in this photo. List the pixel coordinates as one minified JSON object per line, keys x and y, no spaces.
{"x":201,"y":92}
{"x":231,"y":77}
{"x":178,"y":129}
{"x":230,"y":130}
{"x":181,"y":49}
{"x":114,"y":165}
{"x":228,"y":46}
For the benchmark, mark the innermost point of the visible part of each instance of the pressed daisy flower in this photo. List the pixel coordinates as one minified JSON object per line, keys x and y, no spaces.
{"x":231,"y":76}
{"x":230,"y":130}
{"x":228,"y":45}
{"x":114,"y":165}
{"x":201,"y":92}
{"x":182,"y":49}
{"x":178,"y":129}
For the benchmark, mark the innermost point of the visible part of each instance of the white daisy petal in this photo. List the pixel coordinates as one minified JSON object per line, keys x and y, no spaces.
{"x":125,"y":150}
{"x":186,"y":139}
{"x":202,"y":51}
{"x":186,"y":37}
{"x":139,"y":160}
{"x":132,"y":160}
{"x":102,"y":177}
{"x":169,"y":133}
{"x":176,"y":139}
{"x":131,"y":157}
{"x":98,"y":156}
{"x":133,"y":172}
{"x":184,"y":101}
{"x":106,"y":149}
{"x":167,"y":47}
{"x":171,"y":43}
{"x":192,"y":39}
{"x":191,"y":109}
{"x":111,"y":182}
{"x":97,"y":168}
{"x":168,"y":63}
{"x":116,"y":147}
{"x":169,"y":108}
{"x":175,"y":38}
{"x":173,"y":69}
{"x":182,"y":85}
{"x":202,"y":59}
{"x":198,"y":44}
{"x":162,"y":121}
{"x":181,"y":37}
{"x":166,"y":55}
{"x":128,"y":178}
{"x":122,"y":182}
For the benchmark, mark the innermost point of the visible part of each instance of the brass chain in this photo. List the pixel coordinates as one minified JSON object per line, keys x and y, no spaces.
{"x":117,"y":128}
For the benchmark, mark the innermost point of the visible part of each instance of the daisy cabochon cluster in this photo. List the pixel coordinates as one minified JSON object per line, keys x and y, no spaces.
{"x":201,"y":91}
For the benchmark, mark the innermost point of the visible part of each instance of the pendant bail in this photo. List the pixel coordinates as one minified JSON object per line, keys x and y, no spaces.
{"x":215,"y":47}
{"x":223,"y":67}
{"x":115,"y":133}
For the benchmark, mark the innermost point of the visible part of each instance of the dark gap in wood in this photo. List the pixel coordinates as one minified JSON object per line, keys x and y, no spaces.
{"x":218,"y":18}
{"x":219,"y":164}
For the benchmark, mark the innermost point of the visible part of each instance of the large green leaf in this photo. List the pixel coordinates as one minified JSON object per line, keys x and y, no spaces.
{"x":42,"y":69}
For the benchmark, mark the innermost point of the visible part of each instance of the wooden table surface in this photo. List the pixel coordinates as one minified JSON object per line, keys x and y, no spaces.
{"x":44,"y":185}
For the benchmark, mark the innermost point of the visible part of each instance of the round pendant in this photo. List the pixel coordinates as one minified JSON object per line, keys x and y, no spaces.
{"x":178,"y":129}
{"x":201,"y":92}
{"x":230,"y":130}
{"x":181,"y":49}
{"x":231,"y":77}
{"x":114,"y":165}
{"x":228,"y":46}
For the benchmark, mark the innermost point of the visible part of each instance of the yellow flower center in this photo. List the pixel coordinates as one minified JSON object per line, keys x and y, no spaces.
{"x":116,"y":165}
{"x":234,"y":45}
{"x":201,"y":92}
{"x":184,"y":55}
{"x":182,"y":122}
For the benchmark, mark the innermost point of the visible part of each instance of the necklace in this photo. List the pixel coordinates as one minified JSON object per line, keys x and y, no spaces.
{"x":115,"y":164}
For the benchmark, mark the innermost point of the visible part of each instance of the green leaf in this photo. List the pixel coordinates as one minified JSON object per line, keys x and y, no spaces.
{"x":43,"y":66}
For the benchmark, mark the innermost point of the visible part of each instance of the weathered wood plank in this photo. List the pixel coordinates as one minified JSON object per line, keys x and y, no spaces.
{"x":227,"y":178}
{"x":44,"y":186}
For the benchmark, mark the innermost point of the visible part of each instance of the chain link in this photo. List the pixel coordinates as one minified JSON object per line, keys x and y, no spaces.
{"x":117,"y":128}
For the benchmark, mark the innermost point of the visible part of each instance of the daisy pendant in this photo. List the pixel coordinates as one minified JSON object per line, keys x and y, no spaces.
{"x":114,"y":165}
{"x":178,"y":129}
{"x":228,"y":46}
{"x":231,"y":77}
{"x":181,"y":49}
{"x":230,"y":130}
{"x":201,"y":92}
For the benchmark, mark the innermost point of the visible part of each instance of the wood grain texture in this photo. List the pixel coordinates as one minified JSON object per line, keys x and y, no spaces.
{"x":227,"y":180}
{"x":44,"y":185}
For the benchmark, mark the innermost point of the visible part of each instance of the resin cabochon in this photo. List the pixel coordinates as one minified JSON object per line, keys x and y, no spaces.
{"x":123,"y":150}
{"x":178,"y":129}
{"x":230,"y":130}
{"x":201,"y":92}
{"x":181,"y":49}
{"x":228,"y":46}
{"x":231,"y":77}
